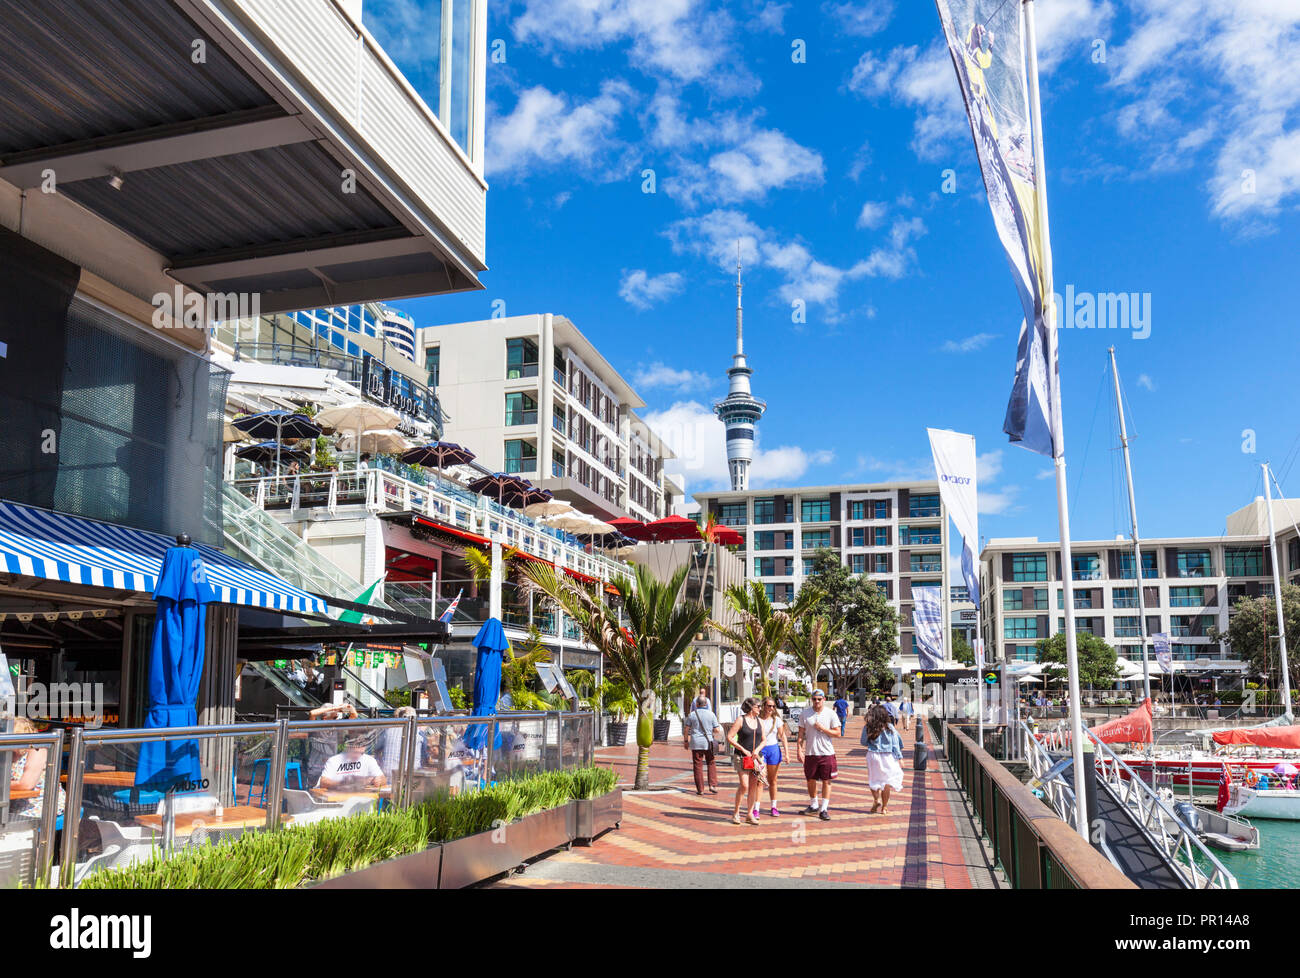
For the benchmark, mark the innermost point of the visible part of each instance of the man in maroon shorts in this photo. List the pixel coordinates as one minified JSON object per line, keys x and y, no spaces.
{"x":817,"y":726}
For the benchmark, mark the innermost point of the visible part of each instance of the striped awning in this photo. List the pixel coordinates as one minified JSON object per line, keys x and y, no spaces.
{"x":57,"y":547}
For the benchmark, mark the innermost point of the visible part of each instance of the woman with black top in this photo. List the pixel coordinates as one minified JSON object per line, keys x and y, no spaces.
{"x":746,"y":736}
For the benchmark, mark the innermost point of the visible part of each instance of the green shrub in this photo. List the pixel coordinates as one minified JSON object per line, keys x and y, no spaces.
{"x":299,"y":855}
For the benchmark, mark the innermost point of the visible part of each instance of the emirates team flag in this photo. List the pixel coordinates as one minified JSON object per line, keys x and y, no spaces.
{"x":954,"y":467}
{"x":987,"y":44}
{"x":927,"y":619}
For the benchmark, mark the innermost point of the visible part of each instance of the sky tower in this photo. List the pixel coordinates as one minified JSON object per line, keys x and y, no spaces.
{"x":740,"y":409}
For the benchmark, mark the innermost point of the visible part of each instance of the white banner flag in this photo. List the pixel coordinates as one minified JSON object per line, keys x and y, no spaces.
{"x":954,"y":467}
{"x":927,"y":618}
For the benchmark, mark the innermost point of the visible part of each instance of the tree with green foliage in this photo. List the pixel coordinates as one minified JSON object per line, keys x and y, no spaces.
{"x":962,"y":650}
{"x":658,"y":630}
{"x":762,"y":630}
{"x":1096,"y":659}
{"x":1252,"y":632}
{"x":869,"y":623}
{"x":812,"y":640}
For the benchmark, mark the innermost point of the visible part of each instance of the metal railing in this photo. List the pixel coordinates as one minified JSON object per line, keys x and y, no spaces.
{"x":1056,"y":792}
{"x":138,"y":822}
{"x":27,"y":844}
{"x":386,"y":492}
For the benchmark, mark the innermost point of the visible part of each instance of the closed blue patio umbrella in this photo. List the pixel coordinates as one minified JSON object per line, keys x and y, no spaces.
{"x":491,"y":642}
{"x":175,"y":667}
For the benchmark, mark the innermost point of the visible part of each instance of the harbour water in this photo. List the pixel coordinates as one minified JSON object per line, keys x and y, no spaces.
{"x":1275,"y":864}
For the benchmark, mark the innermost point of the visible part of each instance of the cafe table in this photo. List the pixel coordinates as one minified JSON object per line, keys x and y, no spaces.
{"x":237,"y":817}
{"x":114,"y":779}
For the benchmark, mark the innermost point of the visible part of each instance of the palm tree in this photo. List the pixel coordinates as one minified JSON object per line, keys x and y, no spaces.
{"x":811,"y":640}
{"x":658,"y":631}
{"x":763,"y":630}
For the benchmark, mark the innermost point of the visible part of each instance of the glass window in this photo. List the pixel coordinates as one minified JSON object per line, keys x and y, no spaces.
{"x":1293,"y":554}
{"x":881,"y":563}
{"x":1081,"y":625}
{"x":771,"y":591}
{"x":521,"y":456}
{"x":764,"y":510}
{"x":1029,"y":567}
{"x":858,"y":536}
{"x":1125,"y":597}
{"x":433,"y":364}
{"x":764,"y":566}
{"x":880,"y":509}
{"x":1082,"y":598}
{"x":1240,"y":562}
{"x":732,"y":514}
{"x":924,"y":536}
{"x":882,"y":536}
{"x":858,"y":509}
{"x":1186,"y":597}
{"x":807,"y":566}
{"x":815,"y":510}
{"x":1086,"y":567}
{"x":1149,"y":566}
{"x":1013,"y":600}
{"x":1195,"y":563}
{"x":765,"y":540}
{"x":1128,"y":627}
{"x":520,"y":409}
{"x":816,"y":539}
{"x":926,"y":563}
{"x":858,"y":563}
{"x":923,"y":505}
{"x":1022,"y":628}
{"x":521,"y":358}
{"x":1040,"y":599}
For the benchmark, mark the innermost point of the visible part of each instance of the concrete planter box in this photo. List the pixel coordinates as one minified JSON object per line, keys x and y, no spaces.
{"x":418,"y":871}
{"x":479,"y":857}
{"x":593,"y":816}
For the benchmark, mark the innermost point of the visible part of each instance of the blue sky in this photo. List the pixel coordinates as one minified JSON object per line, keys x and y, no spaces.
{"x":1173,"y":167}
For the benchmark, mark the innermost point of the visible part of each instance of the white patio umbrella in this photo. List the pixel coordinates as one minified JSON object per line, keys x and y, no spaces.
{"x":381,"y":442}
{"x":1029,"y":679}
{"x":579,"y":524}
{"x":550,"y":508}
{"x":356,"y":417}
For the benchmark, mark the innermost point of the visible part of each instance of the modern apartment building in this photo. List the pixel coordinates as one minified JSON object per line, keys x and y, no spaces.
{"x":349,"y":328}
{"x":531,"y":395}
{"x":1189,"y":585}
{"x":894,"y":533}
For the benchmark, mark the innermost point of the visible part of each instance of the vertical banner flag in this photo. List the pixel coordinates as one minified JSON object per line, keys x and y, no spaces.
{"x":927,"y":618}
{"x":1164,"y":655}
{"x":987,"y":44}
{"x":954,"y":467}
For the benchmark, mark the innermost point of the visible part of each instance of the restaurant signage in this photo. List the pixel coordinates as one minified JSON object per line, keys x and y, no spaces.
{"x":381,"y":384}
{"x":729,"y":664}
{"x":954,"y":677}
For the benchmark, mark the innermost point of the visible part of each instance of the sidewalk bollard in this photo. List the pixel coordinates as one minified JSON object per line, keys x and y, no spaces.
{"x":920,"y":753}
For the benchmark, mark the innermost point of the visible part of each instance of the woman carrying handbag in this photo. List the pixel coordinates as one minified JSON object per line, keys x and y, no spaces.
{"x":746,"y":736}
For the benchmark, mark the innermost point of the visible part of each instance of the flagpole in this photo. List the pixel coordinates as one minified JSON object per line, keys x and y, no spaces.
{"x":1277,"y":592}
{"x":1058,"y":451}
{"x":1137,"y":546}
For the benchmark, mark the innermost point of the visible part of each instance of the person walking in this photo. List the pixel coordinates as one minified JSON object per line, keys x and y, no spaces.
{"x":907,"y":710}
{"x":775,"y":745}
{"x":817,"y":726}
{"x":701,"y":733}
{"x":892,"y":708}
{"x":746,"y":736}
{"x":842,"y":711}
{"x":884,"y":752}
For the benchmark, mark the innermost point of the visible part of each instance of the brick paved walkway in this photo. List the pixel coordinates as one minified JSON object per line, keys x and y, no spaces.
{"x":678,"y":839}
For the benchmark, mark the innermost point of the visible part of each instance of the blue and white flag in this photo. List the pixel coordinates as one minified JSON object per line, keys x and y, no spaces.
{"x":1028,"y":422}
{"x":451,"y":608}
{"x":927,"y":619}
{"x":954,"y":467}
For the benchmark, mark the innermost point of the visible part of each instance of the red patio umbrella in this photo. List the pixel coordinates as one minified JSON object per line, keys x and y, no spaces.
{"x":633,"y":529}
{"x":725,"y":535}
{"x":672,"y":528}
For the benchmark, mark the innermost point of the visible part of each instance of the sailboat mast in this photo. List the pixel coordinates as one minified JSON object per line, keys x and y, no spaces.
{"x":1277,"y":595}
{"x":1137,"y":546}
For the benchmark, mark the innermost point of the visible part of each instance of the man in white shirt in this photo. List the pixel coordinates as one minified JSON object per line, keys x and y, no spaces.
{"x":353,"y":769}
{"x":817,"y":726}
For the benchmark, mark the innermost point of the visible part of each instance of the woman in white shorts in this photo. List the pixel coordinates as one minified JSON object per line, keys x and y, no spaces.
{"x":884,"y":752}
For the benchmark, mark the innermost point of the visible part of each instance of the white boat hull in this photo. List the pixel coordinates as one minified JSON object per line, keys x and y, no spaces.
{"x":1272,"y":803}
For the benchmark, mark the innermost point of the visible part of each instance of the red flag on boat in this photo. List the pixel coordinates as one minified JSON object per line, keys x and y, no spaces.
{"x":1135,"y":728}
{"x":1225,"y":780}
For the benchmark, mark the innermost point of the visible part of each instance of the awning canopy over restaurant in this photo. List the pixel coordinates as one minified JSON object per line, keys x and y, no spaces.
{"x":57,"y":547}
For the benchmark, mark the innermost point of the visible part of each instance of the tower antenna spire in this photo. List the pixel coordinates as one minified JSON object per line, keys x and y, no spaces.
{"x":740,"y":410}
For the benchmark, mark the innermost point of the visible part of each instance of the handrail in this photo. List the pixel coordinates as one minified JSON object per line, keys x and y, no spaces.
{"x":1059,"y":794}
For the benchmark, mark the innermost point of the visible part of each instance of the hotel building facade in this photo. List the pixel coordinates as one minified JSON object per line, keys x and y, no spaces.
{"x":896,"y":534}
{"x":531,"y":395}
{"x":1189,"y":585}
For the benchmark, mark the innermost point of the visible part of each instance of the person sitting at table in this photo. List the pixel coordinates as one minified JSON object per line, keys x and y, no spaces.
{"x":460,"y":764}
{"x":324,"y":744}
{"x":27,"y":773}
{"x":353,"y":769}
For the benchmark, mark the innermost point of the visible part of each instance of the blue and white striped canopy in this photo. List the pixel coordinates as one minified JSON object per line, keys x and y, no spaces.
{"x":57,"y":547}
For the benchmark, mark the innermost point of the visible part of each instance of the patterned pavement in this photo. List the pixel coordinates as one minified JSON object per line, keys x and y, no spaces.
{"x":675,"y":838}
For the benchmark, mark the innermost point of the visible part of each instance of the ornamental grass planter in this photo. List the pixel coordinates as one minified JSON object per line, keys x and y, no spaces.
{"x":661,"y":728}
{"x":616,"y":734}
{"x":480,"y":857}
{"x":592,"y":816}
{"x":418,"y":871}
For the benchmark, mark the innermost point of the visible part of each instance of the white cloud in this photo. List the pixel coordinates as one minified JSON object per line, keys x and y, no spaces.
{"x":661,"y":375}
{"x":999,"y":501}
{"x":988,"y":467}
{"x":643,"y":290}
{"x":970,"y":344}
{"x":1045,"y":474}
{"x":754,"y":162}
{"x":860,"y":19}
{"x":678,"y":39}
{"x":1238,"y":57}
{"x":699,"y":440}
{"x":1144,"y":380}
{"x":872,"y":214}
{"x":1067,"y":28}
{"x":546,"y":129}
{"x":715,"y":236}
{"x":925,"y":81}
{"x":771,"y":17}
